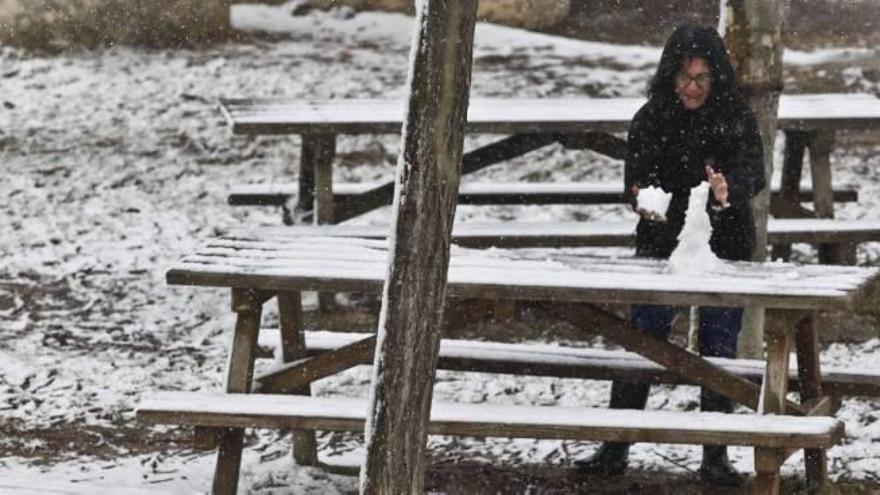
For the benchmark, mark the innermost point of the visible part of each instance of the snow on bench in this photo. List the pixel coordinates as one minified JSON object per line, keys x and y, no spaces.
{"x":487,"y":420}
{"x":571,"y":362}
{"x":603,"y":234}
{"x":581,"y":193}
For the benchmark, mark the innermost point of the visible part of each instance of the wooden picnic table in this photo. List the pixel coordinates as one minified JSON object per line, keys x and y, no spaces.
{"x":261,"y":263}
{"x":809,"y":121}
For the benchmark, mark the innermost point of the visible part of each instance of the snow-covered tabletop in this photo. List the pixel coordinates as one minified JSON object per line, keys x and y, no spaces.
{"x":516,"y":115}
{"x":278,"y":259}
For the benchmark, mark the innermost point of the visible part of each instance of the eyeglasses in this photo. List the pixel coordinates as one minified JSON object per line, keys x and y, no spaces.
{"x":702,"y":79}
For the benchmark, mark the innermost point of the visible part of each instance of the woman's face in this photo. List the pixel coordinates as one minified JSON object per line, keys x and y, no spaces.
{"x":693,"y":81}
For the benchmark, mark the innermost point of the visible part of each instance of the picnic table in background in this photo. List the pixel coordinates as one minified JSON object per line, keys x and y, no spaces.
{"x":259,"y":264}
{"x":809,"y":121}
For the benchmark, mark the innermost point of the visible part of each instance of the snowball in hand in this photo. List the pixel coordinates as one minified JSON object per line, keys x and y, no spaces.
{"x":654,"y":201}
{"x":693,"y":253}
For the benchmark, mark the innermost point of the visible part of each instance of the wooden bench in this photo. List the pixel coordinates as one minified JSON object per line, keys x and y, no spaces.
{"x":218,"y":410}
{"x":571,"y":362}
{"x":345,"y":195}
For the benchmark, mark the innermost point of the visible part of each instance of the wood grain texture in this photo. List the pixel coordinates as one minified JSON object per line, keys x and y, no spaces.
{"x":810,"y":374}
{"x":300,"y":373}
{"x":293,"y":346}
{"x":487,"y":420}
{"x":248,"y":307}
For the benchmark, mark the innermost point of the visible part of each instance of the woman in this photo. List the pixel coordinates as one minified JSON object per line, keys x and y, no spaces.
{"x":694,"y":127}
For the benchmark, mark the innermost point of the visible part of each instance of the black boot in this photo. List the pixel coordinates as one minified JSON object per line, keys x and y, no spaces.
{"x":611,"y":458}
{"x":716,"y":468}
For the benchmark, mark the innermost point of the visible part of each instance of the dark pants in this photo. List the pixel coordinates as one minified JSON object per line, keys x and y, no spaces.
{"x":719,"y":327}
{"x":719,"y":330}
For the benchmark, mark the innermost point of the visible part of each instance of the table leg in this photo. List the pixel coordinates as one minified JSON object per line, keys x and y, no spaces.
{"x":323,"y":170}
{"x":775,"y":383}
{"x":315,"y":198}
{"x":792,"y":167}
{"x":316,"y":161}
{"x":772,"y":401}
{"x":809,"y":374}
{"x":293,"y":347}
{"x":248,"y":307}
{"x":767,"y":464}
{"x":820,"y":145}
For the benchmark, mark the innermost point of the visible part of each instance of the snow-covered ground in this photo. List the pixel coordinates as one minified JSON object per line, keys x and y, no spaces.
{"x":116,"y":163}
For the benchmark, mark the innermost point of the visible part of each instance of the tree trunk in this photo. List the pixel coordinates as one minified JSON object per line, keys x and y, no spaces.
{"x":424,"y":208}
{"x":752,"y":31}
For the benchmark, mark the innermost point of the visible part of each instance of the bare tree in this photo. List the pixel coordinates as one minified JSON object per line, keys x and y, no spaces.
{"x":425,"y":198}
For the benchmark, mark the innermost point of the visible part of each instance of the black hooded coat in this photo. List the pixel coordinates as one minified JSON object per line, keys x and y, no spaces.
{"x":669,"y":146}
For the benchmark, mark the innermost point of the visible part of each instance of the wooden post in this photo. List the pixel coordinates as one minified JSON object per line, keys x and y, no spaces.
{"x":315,"y":177}
{"x":773,"y":389}
{"x":820,"y":145}
{"x":293,"y":347}
{"x":792,"y":169}
{"x":315,"y":197}
{"x":752,"y":31}
{"x":240,"y":370}
{"x":428,"y":171}
{"x":810,"y":375}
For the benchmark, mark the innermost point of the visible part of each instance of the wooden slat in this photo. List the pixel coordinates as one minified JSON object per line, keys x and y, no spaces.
{"x":519,"y":115}
{"x":300,"y":373}
{"x":471,"y":194}
{"x":588,"y":363}
{"x":568,"y":423}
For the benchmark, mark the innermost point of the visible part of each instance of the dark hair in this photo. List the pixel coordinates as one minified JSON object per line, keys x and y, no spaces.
{"x":695,"y":41}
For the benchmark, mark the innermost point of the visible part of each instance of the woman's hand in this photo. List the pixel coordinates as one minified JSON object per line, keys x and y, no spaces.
{"x":718,"y":184}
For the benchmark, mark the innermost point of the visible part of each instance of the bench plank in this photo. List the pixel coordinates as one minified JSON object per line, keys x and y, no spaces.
{"x":587,"y":363}
{"x":580,"y":193}
{"x":483,"y":420}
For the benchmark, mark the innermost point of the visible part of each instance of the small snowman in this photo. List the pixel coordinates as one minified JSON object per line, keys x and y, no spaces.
{"x":693,"y":253}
